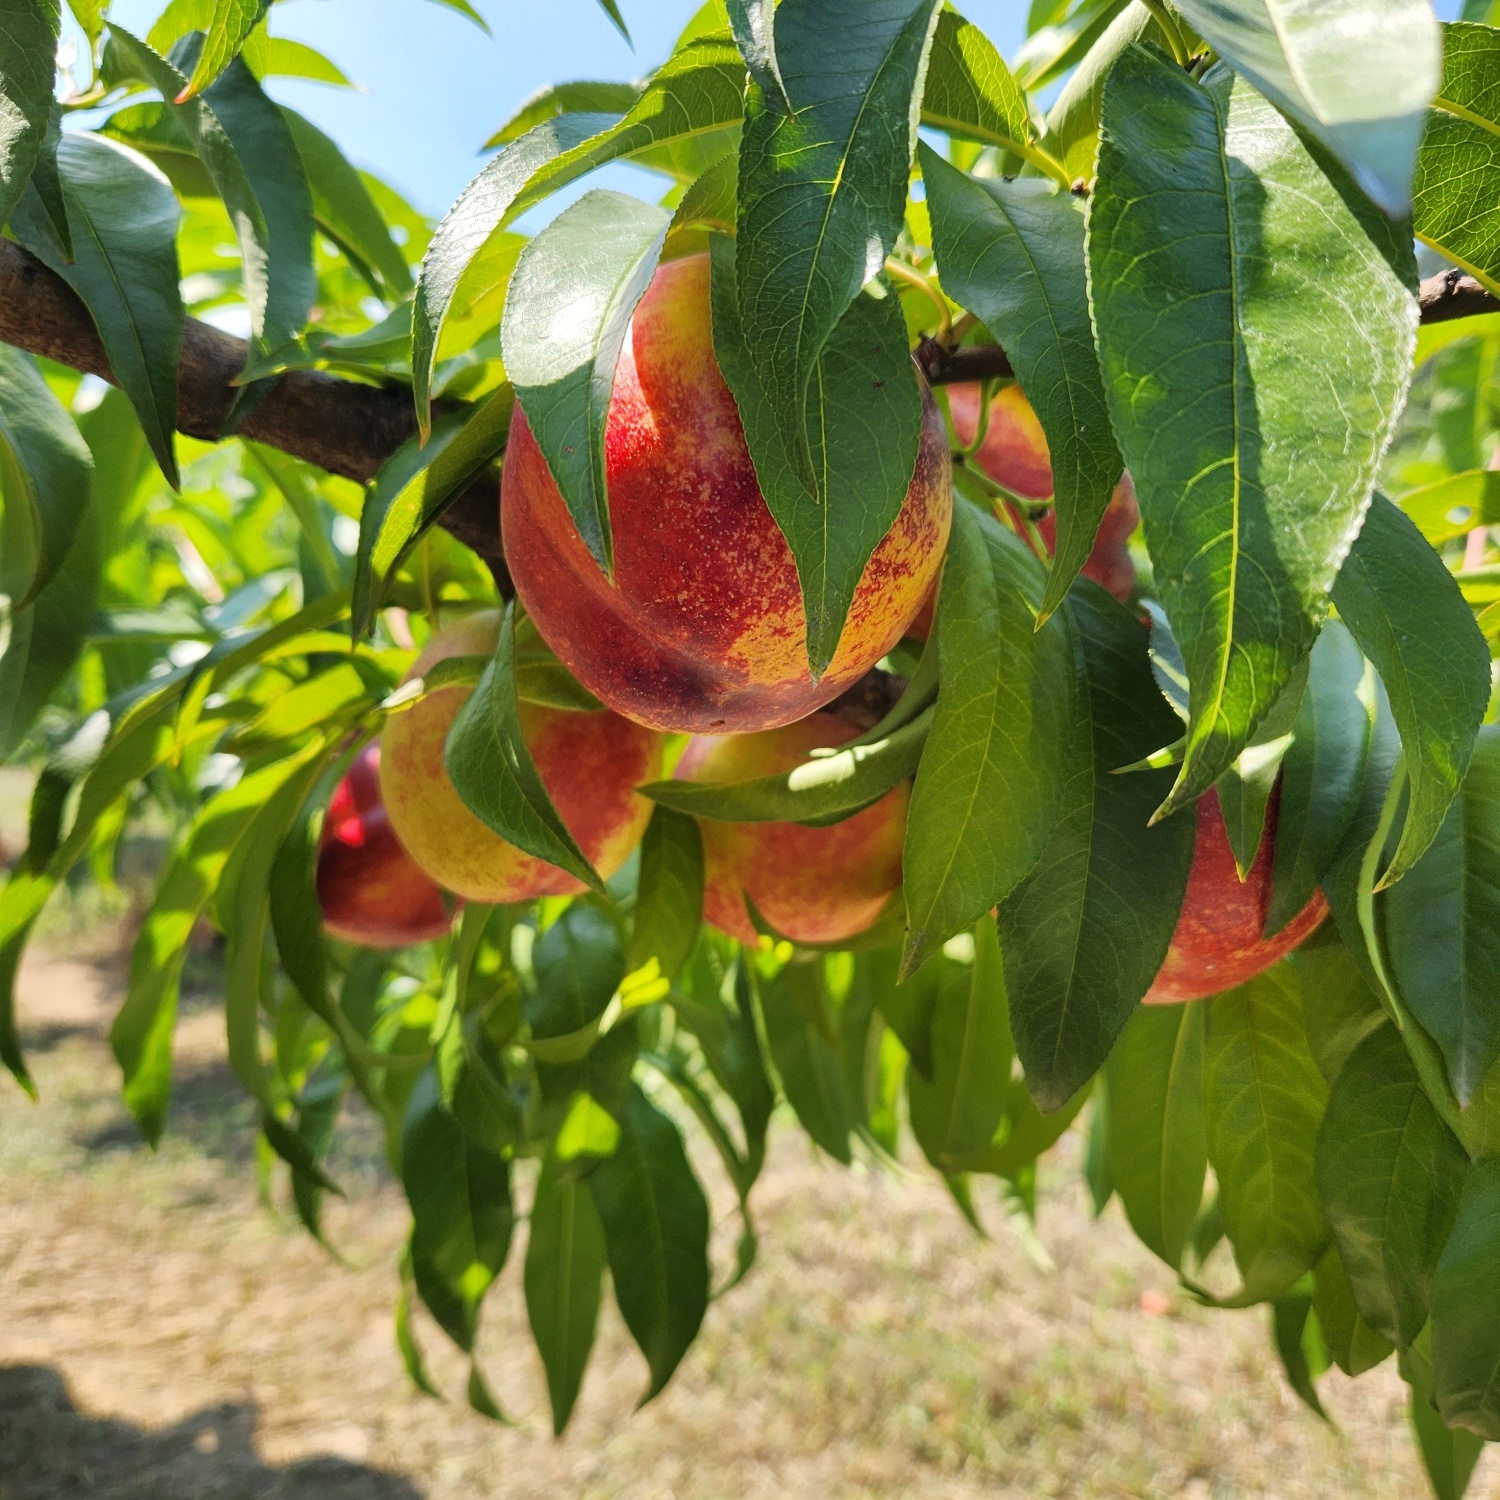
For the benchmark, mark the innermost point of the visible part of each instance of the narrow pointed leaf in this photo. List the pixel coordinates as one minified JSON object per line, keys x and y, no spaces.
{"x":970,"y":92}
{"x":1083,"y":937}
{"x":669,"y":893}
{"x":493,"y":772}
{"x":1265,"y":1100}
{"x":1353,"y":1344}
{"x":233,"y":21}
{"x":1408,"y":616}
{"x":655,"y":1221}
{"x":794,"y":1003}
{"x":45,"y":474}
{"x":1389,"y":1175}
{"x":865,"y":413}
{"x":571,"y":299}
{"x":1442,"y":927}
{"x":1012,"y":252}
{"x":481,"y":212}
{"x":1466,"y":1313}
{"x":612,"y":10}
{"x":1158,"y":1143}
{"x":30,"y":28}
{"x":123,"y":219}
{"x":585,"y":96}
{"x":823,"y":190}
{"x":564,"y":1283}
{"x":1358,"y":76}
{"x":1253,"y":428}
{"x":1321,"y":773}
{"x":990,"y":783}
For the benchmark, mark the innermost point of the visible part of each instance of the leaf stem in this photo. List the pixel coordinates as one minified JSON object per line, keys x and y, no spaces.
{"x":1168,"y":23}
{"x":903,"y":271}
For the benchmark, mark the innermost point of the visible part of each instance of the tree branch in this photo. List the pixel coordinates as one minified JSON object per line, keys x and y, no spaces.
{"x":351,"y":429}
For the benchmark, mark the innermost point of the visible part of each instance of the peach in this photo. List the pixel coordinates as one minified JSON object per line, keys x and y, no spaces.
{"x":1015,"y":453}
{"x":370,"y":889}
{"x":813,"y":885}
{"x":1218,"y":940}
{"x":701,"y":628}
{"x":590,"y":763}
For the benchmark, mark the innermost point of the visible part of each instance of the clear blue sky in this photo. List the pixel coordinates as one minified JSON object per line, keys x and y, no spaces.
{"x":434,"y":86}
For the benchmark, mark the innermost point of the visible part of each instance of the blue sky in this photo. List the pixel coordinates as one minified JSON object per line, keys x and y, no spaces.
{"x":434,"y":86}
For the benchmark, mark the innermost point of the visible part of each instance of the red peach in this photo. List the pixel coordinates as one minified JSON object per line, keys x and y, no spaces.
{"x":1015,"y":453}
{"x":590,"y":763}
{"x":370,"y":889}
{"x":1218,"y":940}
{"x":813,"y":885}
{"x":702,"y":628}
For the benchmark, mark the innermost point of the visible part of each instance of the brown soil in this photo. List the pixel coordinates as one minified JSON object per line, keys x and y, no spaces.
{"x":166,"y":1337}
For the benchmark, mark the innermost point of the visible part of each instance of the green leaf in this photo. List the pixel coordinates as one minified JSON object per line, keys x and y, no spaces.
{"x":45,"y":474}
{"x":1253,"y":429}
{"x":1265,"y":1099}
{"x":1244,"y":790}
{"x":687,"y":116}
{"x":1389,"y":1175}
{"x":612,"y":10}
{"x":1321,"y":773}
{"x":822,"y":195}
{"x":1451,"y":507}
{"x":1408,"y":616}
{"x":1083,"y":936}
{"x":1012,"y":252}
{"x":957,"y":1110}
{"x":47,"y":637}
{"x":564,"y":1283}
{"x":990,"y":784}
{"x":587,"y":96}
{"x":1358,"y":76}
{"x":246,"y":145}
{"x":481,"y":212}
{"x":462,"y":1218}
{"x":669,"y":893}
{"x":1158,"y":1142}
{"x":754,"y":25}
{"x":1458,"y":173}
{"x":970,"y":92}
{"x":579,"y":966}
{"x":1289,"y":1330}
{"x":1449,"y":1455}
{"x":1465,"y":1314}
{"x":655,"y":1221}
{"x":344,"y":209}
{"x":821,"y":790}
{"x":465,"y":9}
{"x":799,"y":1031}
{"x":233,"y":21}
{"x":1068,"y":40}
{"x":1442,"y":926}
{"x":1354,"y":1345}
{"x":1072,"y":133}
{"x":123,"y":218}
{"x":31,"y":29}
{"x":574,"y":291}
{"x":1339,"y":1009}
{"x":90,"y":17}
{"x":493,"y":772}
{"x":865,"y":415}
{"x":280,"y":57}
{"x":141,"y":1036}
{"x":413,"y":488}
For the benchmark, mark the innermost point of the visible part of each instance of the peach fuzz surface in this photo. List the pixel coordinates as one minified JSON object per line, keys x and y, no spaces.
{"x":590,"y":763}
{"x":702,"y":627}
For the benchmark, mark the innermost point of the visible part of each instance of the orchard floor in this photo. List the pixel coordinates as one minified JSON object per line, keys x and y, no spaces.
{"x":165,"y":1337}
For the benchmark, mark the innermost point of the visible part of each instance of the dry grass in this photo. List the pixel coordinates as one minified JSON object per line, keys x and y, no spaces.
{"x":165,"y":1338}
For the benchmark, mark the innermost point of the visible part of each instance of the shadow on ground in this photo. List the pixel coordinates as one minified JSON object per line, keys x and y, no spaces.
{"x":49,"y":1450}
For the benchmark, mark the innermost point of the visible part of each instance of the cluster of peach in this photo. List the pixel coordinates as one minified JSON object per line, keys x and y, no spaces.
{"x":700,"y":630}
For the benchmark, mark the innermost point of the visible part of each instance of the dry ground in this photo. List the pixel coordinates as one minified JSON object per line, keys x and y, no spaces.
{"x":166,"y":1338}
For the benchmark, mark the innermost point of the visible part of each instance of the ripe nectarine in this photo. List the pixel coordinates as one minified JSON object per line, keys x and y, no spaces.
{"x":702,"y":628}
{"x":1218,"y":940}
{"x":1015,"y":453}
{"x":590,"y":763}
{"x":370,"y":889}
{"x":813,"y":885}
